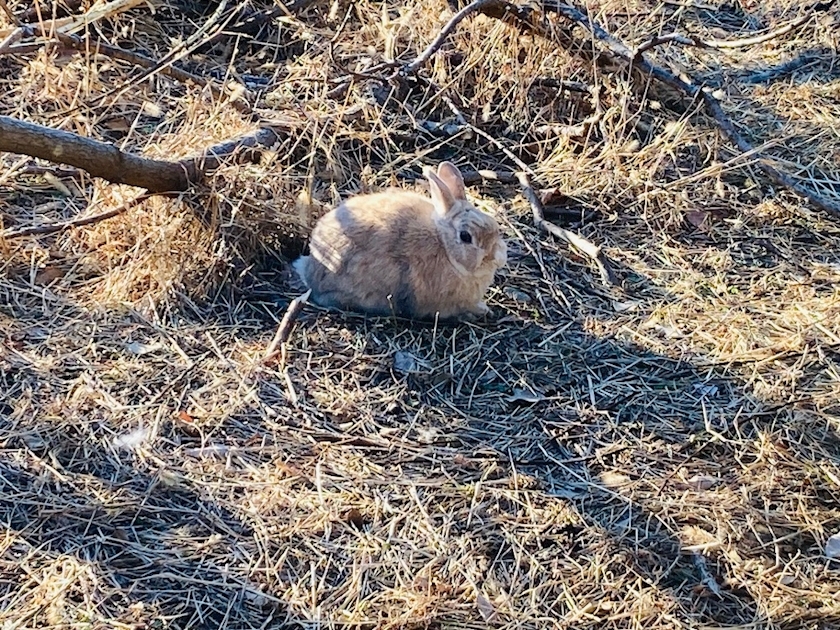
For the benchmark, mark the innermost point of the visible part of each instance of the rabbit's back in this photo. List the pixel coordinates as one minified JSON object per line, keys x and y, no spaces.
{"x":363,"y":254}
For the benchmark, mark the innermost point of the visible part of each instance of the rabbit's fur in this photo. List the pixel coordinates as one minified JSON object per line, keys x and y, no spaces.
{"x":399,"y":252}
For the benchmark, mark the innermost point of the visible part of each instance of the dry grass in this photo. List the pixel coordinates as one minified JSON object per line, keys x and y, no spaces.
{"x":664,"y":456}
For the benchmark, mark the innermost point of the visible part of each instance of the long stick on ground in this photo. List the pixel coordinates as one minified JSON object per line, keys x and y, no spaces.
{"x":52,"y":228}
{"x":286,"y":325}
{"x":586,"y":247}
{"x":104,"y":160}
{"x":743,"y":42}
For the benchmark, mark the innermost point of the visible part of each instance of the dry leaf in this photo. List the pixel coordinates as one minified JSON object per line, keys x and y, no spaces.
{"x":523,"y":395}
{"x":48,"y":275}
{"x":59,"y":185}
{"x":355,"y":518}
{"x":404,"y":362}
{"x":427,"y":435}
{"x":485,"y":607}
{"x":613,"y":479}
{"x":152,"y":110}
{"x":516,"y":294}
{"x":702,"y":482}
{"x":697,"y":218}
{"x":463,"y":461}
{"x":703,"y":389}
{"x":120,"y":123}
{"x":133,"y":440}
{"x":621,"y":307}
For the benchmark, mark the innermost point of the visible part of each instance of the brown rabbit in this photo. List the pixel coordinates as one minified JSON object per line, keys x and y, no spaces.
{"x":402,"y":253}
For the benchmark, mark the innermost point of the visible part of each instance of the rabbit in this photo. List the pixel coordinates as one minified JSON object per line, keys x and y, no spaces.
{"x":397,"y":252}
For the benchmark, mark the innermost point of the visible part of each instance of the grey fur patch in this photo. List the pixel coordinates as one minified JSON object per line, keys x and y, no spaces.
{"x":300,"y":266}
{"x":402,"y":300}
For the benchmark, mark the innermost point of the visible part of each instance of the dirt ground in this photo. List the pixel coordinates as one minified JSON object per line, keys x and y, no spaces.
{"x":663,"y":453}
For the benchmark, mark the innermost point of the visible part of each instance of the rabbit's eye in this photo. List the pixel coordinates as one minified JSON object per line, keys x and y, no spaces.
{"x":465,"y":236}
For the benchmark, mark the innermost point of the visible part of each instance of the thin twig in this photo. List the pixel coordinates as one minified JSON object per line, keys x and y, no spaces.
{"x":658,"y":40}
{"x":9,"y":13}
{"x":77,"y":43}
{"x":744,"y":42}
{"x":52,"y":228}
{"x":445,"y":32}
{"x":586,"y":247}
{"x":286,"y":325}
{"x":766,"y":37}
{"x":181,"y":50}
{"x":11,"y":39}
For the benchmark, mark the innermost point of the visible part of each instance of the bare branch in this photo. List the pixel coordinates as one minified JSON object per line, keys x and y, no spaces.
{"x":52,"y":228}
{"x":726,"y":125}
{"x":686,"y":86}
{"x":286,"y":325}
{"x":653,"y":42}
{"x":586,"y":247}
{"x":77,"y":43}
{"x":766,"y":37}
{"x":97,"y":158}
{"x":104,"y":160}
{"x":445,"y":32}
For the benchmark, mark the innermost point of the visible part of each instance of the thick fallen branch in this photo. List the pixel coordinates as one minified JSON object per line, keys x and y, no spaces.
{"x":586,"y":247}
{"x":525,"y":18}
{"x":104,"y":160}
{"x":689,"y":88}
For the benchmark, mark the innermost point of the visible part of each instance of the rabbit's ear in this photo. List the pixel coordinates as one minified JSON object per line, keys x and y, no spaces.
{"x":452,"y":177}
{"x":441,"y":195}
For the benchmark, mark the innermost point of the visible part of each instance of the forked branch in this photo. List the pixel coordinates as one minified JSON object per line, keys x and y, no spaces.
{"x":445,"y":32}
{"x":742,"y":42}
{"x":690,"y":88}
{"x":524,"y":19}
{"x":104,"y":160}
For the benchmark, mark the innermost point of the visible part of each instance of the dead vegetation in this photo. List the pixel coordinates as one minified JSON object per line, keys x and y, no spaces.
{"x":661,"y":453}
